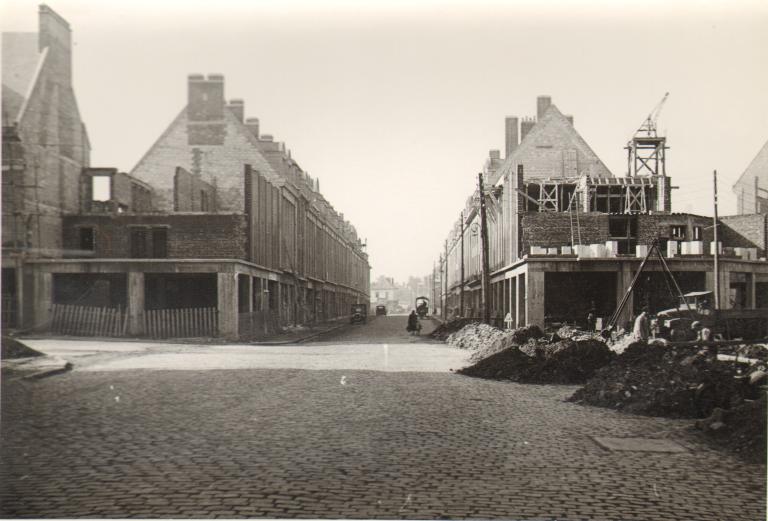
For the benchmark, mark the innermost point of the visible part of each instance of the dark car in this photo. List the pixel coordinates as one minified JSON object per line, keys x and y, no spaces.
{"x":381,"y":310}
{"x":359,"y":314}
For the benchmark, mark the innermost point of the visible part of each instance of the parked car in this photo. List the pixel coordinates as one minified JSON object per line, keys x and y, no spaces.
{"x":359,"y":314}
{"x":381,"y":310}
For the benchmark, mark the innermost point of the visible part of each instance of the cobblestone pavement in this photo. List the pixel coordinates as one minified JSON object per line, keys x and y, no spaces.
{"x":345,"y":444}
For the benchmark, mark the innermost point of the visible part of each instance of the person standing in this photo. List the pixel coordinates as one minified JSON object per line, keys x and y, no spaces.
{"x":642,"y":329}
{"x":413,"y":323}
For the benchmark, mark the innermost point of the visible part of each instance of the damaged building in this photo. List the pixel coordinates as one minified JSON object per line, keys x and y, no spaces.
{"x":217,"y":231}
{"x":566,"y":236}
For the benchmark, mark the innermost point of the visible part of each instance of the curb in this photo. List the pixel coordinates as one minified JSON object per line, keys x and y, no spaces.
{"x":296,"y":340}
{"x":49,"y":372}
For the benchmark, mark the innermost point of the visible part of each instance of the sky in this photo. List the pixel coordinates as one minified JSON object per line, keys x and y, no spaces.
{"x":395,"y":105}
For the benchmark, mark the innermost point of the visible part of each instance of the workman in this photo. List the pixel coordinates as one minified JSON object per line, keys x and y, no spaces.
{"x":642,"y":329}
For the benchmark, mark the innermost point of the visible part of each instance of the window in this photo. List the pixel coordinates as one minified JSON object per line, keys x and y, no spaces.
{"x":87,"y":239}
{"x":101,"y":188}
{"x":677,"y":232}
{"x":697,"y":233}
{"x":159,"y":243}
{"x":138,"y":243}
{"x":623,"y":229}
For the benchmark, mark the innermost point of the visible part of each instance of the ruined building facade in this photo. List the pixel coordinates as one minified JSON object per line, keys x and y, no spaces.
{"x":751,"y":189}
{"x":566,"y":236}
{"x":45,"y":147}
{"x":217,"y":231}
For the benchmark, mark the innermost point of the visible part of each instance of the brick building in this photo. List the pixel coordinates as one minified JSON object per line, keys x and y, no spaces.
{"x":217,"y":231}
{"x":752,"y":187}
{"x":566,"y":235}
{"x":44,"y":148}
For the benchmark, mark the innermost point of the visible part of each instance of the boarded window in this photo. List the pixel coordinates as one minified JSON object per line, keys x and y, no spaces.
{"x":160,"y":243}
{"x":138,"y":243}
{"x":87,"y":239}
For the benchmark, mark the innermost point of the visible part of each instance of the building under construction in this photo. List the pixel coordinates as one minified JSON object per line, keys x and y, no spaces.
{"x":566,"y":236}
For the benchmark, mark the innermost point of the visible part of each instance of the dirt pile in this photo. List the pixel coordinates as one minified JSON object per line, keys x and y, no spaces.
{"x":444,"y":330}
{"x":474,"y":336}
{"x":513,"y":338}
{"x":666,"y":381}
{"x":12,"y":348}
{"x":562,"y":362}
{"x":741,"y":430}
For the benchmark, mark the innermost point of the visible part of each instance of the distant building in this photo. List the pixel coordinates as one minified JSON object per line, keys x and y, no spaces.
{"x":752,"y":187}
{"x":45,"y":147}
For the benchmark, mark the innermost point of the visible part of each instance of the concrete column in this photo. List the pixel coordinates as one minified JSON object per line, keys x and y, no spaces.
{"x":520,"y":307}
{"x":250,"y":293}
{"x":534,"y":298}
{"x":725,"y":290}
{"x":227,"y":305}
{"x":42,"y":299}
{"x":751,"y":291}
{"x":135,"y":303}
{"x":623,"y":280}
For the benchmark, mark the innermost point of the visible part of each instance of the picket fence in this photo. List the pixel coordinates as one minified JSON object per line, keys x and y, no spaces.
{"x":68,"y":319}
{"x":181,"y":323}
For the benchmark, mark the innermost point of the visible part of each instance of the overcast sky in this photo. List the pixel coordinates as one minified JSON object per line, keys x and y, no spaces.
{"x":394,"y":105}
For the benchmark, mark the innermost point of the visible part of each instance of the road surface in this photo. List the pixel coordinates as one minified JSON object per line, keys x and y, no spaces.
{"x":368,"y":423}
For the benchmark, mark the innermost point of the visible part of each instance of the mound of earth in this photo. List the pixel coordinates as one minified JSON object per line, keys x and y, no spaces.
{"x":12,"y":348}
{"x":507,"y":339}
{"x":741,"y":430}
{"x":664,"y":381}
{"x":474,"y":336}
{"x":562,"y":362}
{"x":443,"y":331}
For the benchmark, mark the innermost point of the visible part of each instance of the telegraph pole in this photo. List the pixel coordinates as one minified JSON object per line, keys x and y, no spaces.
{"x":434,"y":295}
{"x":484,"y":237}
{"x":717,"y":249}
{"x":445,"y":300}
{"x":461,"y":277}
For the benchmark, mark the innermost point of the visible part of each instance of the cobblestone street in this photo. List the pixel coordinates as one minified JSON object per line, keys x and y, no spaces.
{"x":351,"y":437}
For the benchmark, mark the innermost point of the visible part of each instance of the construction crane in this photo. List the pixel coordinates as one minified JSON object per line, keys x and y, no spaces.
{"x":649,"y":124}
{"x":645,"y":150}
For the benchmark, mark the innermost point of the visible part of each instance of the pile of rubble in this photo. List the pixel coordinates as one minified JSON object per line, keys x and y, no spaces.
{"x":674,"y":382}
{"x":474,"y":336}
{"x":446,"y":329}
{"x":539,"y":359}
{"x":740,"y":430}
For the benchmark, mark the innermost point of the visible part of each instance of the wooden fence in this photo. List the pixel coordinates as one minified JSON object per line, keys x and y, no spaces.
{"x":180,"y":323}
{"x":257,"y":324}
{"x":68,"y":319}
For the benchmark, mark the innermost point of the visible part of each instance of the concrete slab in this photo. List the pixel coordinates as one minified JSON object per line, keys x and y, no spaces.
{"x":638,"y":444}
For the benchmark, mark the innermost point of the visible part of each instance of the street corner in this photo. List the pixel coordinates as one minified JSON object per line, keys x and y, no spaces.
{"x":34,"y":368}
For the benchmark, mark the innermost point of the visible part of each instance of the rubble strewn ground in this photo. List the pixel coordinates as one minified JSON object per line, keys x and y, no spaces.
{"x":727,"y":397}
{"x":444,"y":330}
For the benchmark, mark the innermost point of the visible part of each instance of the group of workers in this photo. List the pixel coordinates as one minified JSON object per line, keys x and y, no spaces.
{"x":644,"y":328}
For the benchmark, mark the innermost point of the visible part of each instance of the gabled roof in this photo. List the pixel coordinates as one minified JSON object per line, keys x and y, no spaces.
{"x":553,"y":121}
{"x":757,"y":168}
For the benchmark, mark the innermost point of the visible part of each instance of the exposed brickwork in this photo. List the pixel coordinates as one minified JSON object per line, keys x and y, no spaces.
{"x":192,"y":194}
{"x":746,"y":231}
{"x":205,"y":236}
{"x":658,"y":226}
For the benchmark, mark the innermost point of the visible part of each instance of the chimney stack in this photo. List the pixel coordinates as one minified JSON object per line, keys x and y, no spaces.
{"x":570,"y":119}
{"x":510,"y":135}
{"x":253,"y":125}
{"x":494,"y":154}
{"x":237,"y":107}
{"x":205,"y":97}
{"x":542,"y":104}
{"x":55,"y":34}
{"x":525,"y":126}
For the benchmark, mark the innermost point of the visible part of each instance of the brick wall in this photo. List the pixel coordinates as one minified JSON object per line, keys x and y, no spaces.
{"x":745,"y":231}
{"x":192,"y":194}
{"x":658,"y":226}
{"x":550,"y":230}
{"x":203,"y":236}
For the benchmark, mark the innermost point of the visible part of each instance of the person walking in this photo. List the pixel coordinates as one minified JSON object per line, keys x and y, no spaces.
{"x":413,"y":323}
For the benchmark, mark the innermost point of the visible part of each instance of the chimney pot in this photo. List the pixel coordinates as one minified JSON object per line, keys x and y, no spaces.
{"x":542,"y":104}
{"x":494,"y":154}
{"x":253,"y":126}
{"x":205,"y":98}
{"x":237,"y":107}
{"x":511,"y":135}
{"x":570,"y":119}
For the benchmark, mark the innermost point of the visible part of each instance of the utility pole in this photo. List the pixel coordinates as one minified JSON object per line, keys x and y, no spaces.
{"x":484,"y":246}
{"x":717,"y":249}
{"x":434,"y":294}
{"x":445,"y":300}
{"x":461,"y":275}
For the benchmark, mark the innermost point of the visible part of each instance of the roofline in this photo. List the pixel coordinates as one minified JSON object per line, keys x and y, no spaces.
{"x":32,"y":84}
